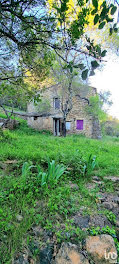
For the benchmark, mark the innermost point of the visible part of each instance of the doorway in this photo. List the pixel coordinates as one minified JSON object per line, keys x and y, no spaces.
{"x":56,"y":124}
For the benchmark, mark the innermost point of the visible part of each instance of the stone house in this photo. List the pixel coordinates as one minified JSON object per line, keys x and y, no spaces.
{"x":51,"y":118}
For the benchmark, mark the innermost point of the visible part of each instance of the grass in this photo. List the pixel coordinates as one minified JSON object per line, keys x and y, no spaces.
{"x":51,"y":208}
{"x":26,"y":144}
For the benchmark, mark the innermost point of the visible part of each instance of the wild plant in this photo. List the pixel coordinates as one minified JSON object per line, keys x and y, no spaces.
{"x":89,"y":165}
{"x":51,"y":177}
{"x":55,"y":172}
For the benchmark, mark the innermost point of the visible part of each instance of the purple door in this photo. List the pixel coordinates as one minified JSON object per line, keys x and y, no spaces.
{"x":79,"y":124}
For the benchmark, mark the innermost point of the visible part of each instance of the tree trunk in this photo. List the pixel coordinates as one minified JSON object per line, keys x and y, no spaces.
{"x":64,"y":127}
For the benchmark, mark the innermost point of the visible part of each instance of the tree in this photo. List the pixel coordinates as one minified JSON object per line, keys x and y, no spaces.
{"x":29,"y":32}
{"x":12,"y":95}
{"x":24,"y":26}
{"x":98,"y":104}
{"x":69,"y":83}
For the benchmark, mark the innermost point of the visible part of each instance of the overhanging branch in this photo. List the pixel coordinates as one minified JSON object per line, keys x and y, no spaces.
{"x":83,"y":98}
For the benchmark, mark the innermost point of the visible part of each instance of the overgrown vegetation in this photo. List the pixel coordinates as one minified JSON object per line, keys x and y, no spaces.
{"x":36,"y":189}
{"x":25,"y":144}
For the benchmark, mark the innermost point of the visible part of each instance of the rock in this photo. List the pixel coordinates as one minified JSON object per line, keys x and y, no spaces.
{"x":11,"y":161}
{"x":101,"y":197}
{"x":109,"y":205}
{"x":99,"y":220}
{"x":1,"y":124}
{"x":108,"y":200}
{"x":69,"y":254}
{"x":112,"y":178}
{"x":81,"y":221}
{"x":117,"y":223}
{"x":101,"y":249}
{"x":46,"y":254}
{"x":116,"y":199}
{"x":96,"y":178}
{"x":37,"y":230}
{"x":98,"y":182}
{"x":19,"y":218}
{"x":21,"y":258}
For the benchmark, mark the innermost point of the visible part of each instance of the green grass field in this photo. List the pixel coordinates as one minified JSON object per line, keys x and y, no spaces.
{"x":53,"y":206}
{"x":26,"y":144}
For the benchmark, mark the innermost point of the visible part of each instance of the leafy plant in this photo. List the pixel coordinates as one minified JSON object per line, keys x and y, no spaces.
{"x":50,"y":177}
{"x":55,"y":172}
{"x":26,"y":169}
{"x":89,"y":165}
{"x":42,"y":176}
{"x":111,"y":216}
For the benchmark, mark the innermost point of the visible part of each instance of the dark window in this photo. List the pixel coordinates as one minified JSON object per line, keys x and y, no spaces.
{"x":79,"y":124}
{"x":35,"y":117}
{"x":56,"y":103}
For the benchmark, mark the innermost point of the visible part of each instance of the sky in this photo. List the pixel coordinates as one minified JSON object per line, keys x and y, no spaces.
{"x":107,"y":79}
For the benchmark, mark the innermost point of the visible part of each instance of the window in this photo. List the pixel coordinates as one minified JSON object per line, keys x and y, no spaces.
{"x":79,"y":124}
{"x":35,"y":117}
{"x":68,"y":125}
{"x":56,"y":103}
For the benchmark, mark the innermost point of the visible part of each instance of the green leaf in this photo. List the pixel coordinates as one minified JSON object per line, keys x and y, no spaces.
{"x":95,"y":3}
{"x":113,"y":10}
{"x":84,"y":74}
{"x":104,"y":12}
{"x":114,"y":25}
{"x":94,"y":64}
{"x":111,"y":5}
{"x":88,"y":47}
{"x":102,"y":25}
{"x":96,"y":18}
{"x":81,"y":66}
{"x":111,"y":31}
{"x":98,"y":49}
{"x":93,"y":12}
{"x":115,"y":30}
{"x":108,"y":19}
{"x":103,"y":53}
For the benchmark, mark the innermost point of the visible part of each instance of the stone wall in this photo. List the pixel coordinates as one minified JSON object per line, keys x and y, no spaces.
{"x":91,"y":126}
{"x":41,"y":123}
{"x":96,"y":129}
